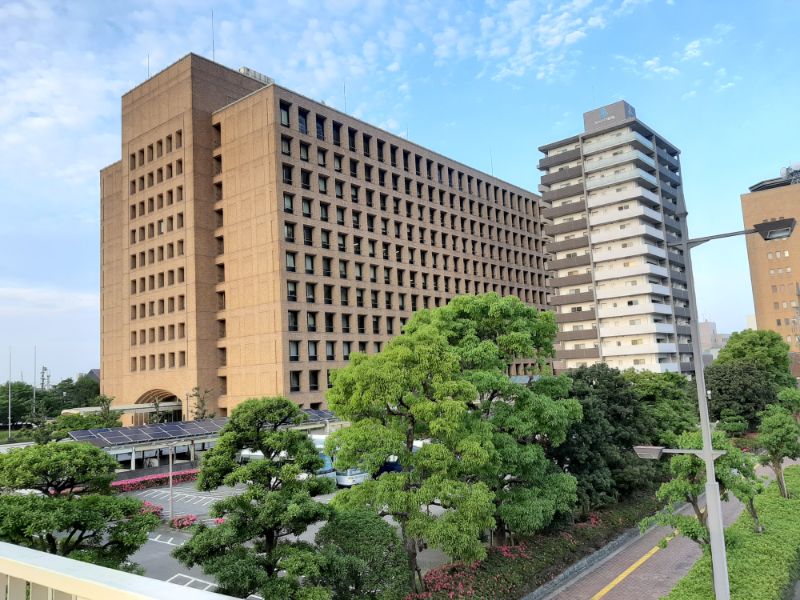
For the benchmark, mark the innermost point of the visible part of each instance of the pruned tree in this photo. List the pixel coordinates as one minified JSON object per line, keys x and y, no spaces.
{"x":74,"y":513}
{"x":253,"y":551}
{"x":200,"y":409}
{"x":738,"y":389}
{"x":778,"y":435}
{"x":765,"y":349}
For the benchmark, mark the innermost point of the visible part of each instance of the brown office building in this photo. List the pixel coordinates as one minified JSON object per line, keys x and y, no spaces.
{"x":775,"y":264}
{"x":616,"y":207}
{"x":253,"y":238}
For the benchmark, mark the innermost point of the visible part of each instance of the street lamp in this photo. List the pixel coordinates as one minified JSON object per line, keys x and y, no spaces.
{"x":769,"y":230}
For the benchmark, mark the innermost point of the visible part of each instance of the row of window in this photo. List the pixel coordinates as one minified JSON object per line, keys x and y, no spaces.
{"x":343,"y":298}
{"x":165,"y":360}
{"x":314,"y":347}
{"x":366,"y":172}
{"x":157,"y":254}
{"x":156,"y":202}
{"x":156,"y":150}
{"x":155,"y":177}
{"x":163,"y":333}
{"x":347,"y":323}
{"x":367,"y":146}
{"x":355,"y":195}
{"x":361,"y":271}
{"x":158,"y":280}
{"x":156,"y":228}
{"x":158,"y":307}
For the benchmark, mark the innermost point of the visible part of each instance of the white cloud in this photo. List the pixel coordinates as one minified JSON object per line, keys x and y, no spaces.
{"x":16,"y":300}
{"x":692,"y":50}
{"x":654,"y":66}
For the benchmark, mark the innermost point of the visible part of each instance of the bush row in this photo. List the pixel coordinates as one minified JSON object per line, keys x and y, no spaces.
{"x":509,"y":572}
{"x":762,"y":565}
{"x":151,"y":481}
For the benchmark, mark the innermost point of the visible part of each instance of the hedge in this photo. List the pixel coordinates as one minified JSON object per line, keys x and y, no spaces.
{"x":151,"y":481}
{"x":760,"y":566}
{"x":510,"y":572}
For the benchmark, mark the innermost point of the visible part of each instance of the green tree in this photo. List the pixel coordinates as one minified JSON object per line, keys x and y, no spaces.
{"x":778,"y":434}
{"x":766,"y":350}
{"x":21,"y":396}
{"x":59,"y":428}
{"x":670,"y":399}
{"x":790,"y":398}
{"x":735,"y":475}
{"x":251,"y":551}
{"x":362,"y":557}
{"x":739,"y":389}
{"x":413,"y":389}
{"x":74,"y":514}
{"x":598,"y":450}
{"x":488,"y":333}
{"x":200,"y":409}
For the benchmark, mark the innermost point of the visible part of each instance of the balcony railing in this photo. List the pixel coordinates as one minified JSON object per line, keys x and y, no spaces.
{"x":32,"y":574}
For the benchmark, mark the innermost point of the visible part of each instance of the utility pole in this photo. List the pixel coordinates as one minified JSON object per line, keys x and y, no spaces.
{"x":33,"y":403}
{"x":9,"y":393}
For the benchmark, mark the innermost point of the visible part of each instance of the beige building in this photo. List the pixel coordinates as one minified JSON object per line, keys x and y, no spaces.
{"x":615,"y":205}
{"x":775,"y":264}
{"x":253,"y":238}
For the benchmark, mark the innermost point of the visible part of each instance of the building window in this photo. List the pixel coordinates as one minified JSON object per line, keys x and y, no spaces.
{"x":285,"y":113}
{"x":294,"y":381}
{"x":312,"y":350}
{"x":294,"y":351}
{"x":290,"y":262}
{"x":293,"y":314}
{"x":311,"y":321}
{"x":313,"y":381}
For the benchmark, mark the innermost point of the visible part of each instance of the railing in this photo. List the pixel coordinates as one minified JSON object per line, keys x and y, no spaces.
{"x":30,"y":574}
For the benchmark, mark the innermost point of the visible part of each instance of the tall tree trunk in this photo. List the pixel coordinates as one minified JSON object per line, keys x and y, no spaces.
{"x":498,"y":535}
{"x":778,"y":468}
{"x":415,"y":575}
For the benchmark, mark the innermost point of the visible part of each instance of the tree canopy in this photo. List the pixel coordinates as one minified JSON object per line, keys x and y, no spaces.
{"x":247,"y":552}
{"x":765,"y":349}
{"x":779,"y":436}
{"x":738,"y":390}
{"x":74,"y":513}
{"x":671,"y":401}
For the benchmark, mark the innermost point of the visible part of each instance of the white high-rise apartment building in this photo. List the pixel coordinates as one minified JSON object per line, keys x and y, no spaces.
{"x":615,"y":206}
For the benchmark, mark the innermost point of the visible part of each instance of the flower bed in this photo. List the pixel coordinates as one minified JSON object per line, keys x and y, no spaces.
{"x":183,"y":521}
{"x":151,"y":481}
{"x":510,"y":572}
{"x":148,"y":508}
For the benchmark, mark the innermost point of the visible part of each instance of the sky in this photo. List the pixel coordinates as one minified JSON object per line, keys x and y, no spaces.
{"x":485,"y":83}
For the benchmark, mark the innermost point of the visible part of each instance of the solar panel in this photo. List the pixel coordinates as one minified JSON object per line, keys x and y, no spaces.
{"x":104,"y":437}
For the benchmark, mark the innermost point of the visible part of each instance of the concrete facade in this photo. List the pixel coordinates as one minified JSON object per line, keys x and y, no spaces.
{"x":253,"y":238}
{"x":615,"y":204}
{"x":774,"y":264}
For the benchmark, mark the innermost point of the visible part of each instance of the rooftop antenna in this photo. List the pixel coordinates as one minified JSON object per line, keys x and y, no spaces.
{"x":344,"y":87}
{"x":148,"y":65}
{"x":213,"y":44}
{"x":491,"y":161}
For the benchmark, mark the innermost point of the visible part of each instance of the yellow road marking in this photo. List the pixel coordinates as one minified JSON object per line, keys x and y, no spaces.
{"x":618,"y":579}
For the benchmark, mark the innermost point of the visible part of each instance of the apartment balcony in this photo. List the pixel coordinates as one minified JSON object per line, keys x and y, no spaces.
{"x":641,"y":230}
{"x":580,"y":334}
{"x":633,"y":250}
{"x":578,"y":353}
{"x":607,"y":331}
{"x":682,"y":311}
{"x":638,"y":192}
{"x":640,"y":269}
{"x":580,"y":298}
{"x":641,"y":349}
{"x":575,"y":317}
{"x":565,"y":192}
{"x":637,"y":175}
{"x":562,"y":175}
{"x":637,"y":210}
{"x":685,"y":348}
{"x":662,"y":153}
{"x":566,"y":263}
{"x":563,"y":245}
{"x":568,"y":227}
{"x":567,"y":280}
{"x":60,"y":578}
{"x":664,"y":367}
{"x":679,"y":293}
{"x":620,"y":291}
{"x":669,"y":175}
{"x":566,"y":209}
{"x":683,"y":329}
{"x":643,"y":308}
{"x":559,"y":159}
{"x":592,"y":146}
{"x":670,"y":193}
{"x":687,"y":367}
{"x":634,"y":156}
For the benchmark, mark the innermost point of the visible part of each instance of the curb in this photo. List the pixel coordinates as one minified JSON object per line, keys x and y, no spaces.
{"x":583,"y":566}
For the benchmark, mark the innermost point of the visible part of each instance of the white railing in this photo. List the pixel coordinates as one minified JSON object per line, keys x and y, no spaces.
{"x":30,"y":574}
{"x":615,"y":178}
{"x":595,"y":165}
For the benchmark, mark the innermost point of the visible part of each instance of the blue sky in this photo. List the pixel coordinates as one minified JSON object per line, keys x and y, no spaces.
{"x":482,"y":82}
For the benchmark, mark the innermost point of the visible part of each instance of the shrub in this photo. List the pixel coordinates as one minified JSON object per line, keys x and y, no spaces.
{"x":759,"y":565}
{"x":150,"y":481}
{"x":148,"y":508}
{"x":183,"y":521}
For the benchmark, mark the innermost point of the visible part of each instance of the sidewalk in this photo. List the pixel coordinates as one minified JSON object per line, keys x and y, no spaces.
{"x":643,"y":571}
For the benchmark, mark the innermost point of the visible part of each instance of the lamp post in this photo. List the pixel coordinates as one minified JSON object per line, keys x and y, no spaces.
{"x":770,"y":230}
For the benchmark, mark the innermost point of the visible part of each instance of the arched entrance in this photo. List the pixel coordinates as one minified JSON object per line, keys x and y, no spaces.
{"x":157,"y":405}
